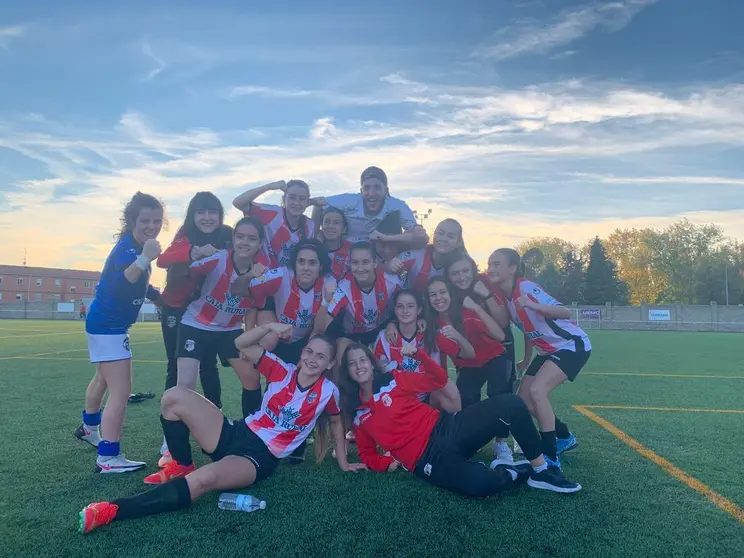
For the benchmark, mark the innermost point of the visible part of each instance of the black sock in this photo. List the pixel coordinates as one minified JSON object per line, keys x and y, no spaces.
{"x":561,"y":429}
{"x":251,"y":401}
{"x":171,"y":496}
{"x":548,"y":440}
{"x":177,"y":438}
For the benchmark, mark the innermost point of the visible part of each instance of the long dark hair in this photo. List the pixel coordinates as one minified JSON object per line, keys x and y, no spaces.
{"x":132,"y":210}
{"x":323,"y":425}
{"x":412,"y":293}
{"x":201,"y":201}
{"x":320,"y":251}
{"x":431,"y":315}
{"x":349,"y":389}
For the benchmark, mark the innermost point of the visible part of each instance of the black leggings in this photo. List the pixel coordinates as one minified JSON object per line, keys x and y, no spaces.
{"x":496,"y":374}
{"x":209,"y":375}
{"x":457,"y":437}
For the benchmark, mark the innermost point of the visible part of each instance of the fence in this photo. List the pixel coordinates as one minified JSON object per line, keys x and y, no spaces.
{"x":52,"y":310}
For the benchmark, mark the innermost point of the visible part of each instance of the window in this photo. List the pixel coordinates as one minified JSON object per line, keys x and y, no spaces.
{"x":57,"y":283}
{"x":19,"y":281}
{"x":38,"y":282}
{"x":1,"y":280}
{"x":19,"y":297}
{"x":86,"y":284}
{"x":1,"y":295}
{"x":73,"y":289}
{"x":38,"y":296}
{"x":57,"y":297}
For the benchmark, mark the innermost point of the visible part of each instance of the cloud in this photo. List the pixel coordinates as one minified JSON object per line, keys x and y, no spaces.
{"x":532,"y":37}
{"x":9,"y":34}
{"x":263,"y":91}
{"x":160,"y":65}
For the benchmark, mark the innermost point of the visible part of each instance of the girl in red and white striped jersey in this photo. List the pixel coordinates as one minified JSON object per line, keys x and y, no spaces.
{"x":421,"y":265}
{"x":285,"y":225}
{"x":437,"y":446}
{"x":245,"y":451}
{"x":333,"y":231}
{"x":407,"y":310}
{"x":562,"y":347}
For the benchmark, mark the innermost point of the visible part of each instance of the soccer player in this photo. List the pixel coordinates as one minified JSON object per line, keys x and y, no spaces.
{"x":435,"y":445}
{"x":562,"y":347}
{"x":285,"y":225}
{"x":333,"y":231}
{"x":123,"y":287}
{"x":372,"y":204}
{"x":407,"y":310}
{"x":83,"y":310}
{"x":246,"y":451}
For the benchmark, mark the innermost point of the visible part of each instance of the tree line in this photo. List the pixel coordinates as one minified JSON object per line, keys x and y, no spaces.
{"x":684,"y":262}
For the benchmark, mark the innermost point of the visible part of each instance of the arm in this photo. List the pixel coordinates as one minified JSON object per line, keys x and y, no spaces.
{"x":339,"y":438}
{"x":434,"y":378}
{"x":243,"y":201}
{"x":248,"y":343}
{"x":367,"y":450}
{"x":317,"y":214}
{"x":178,"y":252}
{"x":150,"y":251}
{"x":497,"y":312}
{"x":524,"y":363}
{"x":153,"y":294}
{"x":549,"y":311}
{"x":332,"y":305}
{"x":454,"y":344}
{"x":419,"y":237}
{"x":492,"y":328}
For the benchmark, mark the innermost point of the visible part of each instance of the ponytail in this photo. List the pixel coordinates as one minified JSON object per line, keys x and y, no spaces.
{"x":513,"y":257}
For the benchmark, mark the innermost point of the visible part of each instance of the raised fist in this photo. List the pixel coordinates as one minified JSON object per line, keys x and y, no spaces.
{"x":151,"y":249}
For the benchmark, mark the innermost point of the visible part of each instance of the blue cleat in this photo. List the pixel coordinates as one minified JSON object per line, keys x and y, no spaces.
{"x":563,"y":445}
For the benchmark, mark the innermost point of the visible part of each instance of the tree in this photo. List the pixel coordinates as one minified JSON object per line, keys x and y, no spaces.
{"x":533,"y":263}
{"x":550,"y":280}
{"x":572,"y":279}
{"x":633,"y":250}
{"x":551,"y":249}
{"x":601,"y":284}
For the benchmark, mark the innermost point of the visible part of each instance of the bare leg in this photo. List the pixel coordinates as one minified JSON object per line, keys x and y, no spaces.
{"x":94,"y":393}
{"x":188,"y":372}
{"x":228,"y":473}
{"x":548,"y":378}
{"x":117,"y":375}
{"x":200,"y":415}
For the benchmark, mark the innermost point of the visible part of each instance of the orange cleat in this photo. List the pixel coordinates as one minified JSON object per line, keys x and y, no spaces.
{"x":172,"y":470}
{"x":96,"y":515}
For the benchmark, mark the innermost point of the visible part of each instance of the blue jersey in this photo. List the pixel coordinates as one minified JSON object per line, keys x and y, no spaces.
{"x":118,"y":302}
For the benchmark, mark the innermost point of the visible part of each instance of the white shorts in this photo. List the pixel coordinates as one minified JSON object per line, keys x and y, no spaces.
{"x":107,"y":348}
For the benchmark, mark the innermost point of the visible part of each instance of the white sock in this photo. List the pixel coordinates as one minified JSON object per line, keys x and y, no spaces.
{"x":91,"y":428}
{"x":540,"y":468}
{"x":513,"y":474}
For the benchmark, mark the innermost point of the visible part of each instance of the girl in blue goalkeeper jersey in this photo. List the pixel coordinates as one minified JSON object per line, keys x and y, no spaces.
{"x":120,"y":293}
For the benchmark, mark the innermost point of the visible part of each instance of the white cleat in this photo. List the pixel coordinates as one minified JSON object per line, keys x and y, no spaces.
{"x":118,"y":464}
{"x":92,"y":437}
{"x":502,"y":452}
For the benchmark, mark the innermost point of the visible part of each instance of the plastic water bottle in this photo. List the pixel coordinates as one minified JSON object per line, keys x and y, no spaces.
{"x":240,"y":502}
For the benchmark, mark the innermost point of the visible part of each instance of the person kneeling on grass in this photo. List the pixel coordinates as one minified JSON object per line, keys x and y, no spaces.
{"x":437,"y":446}
{"x":246,"y":451}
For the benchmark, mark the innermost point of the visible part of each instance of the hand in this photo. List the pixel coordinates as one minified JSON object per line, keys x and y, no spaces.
{"x":395,"y":265}
{"x":377,"y":236}
{"x":284,"y":331}
{"x":208,"y":250}
{"x":257,"y":270}
{"x":408,"y":350}
{"x":421,"y":325}
{"x":469,"y":303}
{"x":329,"y":291}
{"x":279,"y":185}
{"x":392,"y":333}
{"x":450,"y":333}
{"x":481,"y":290}
{"x":353,"y":467}
{"x":393,"y":466}
{"x":243,"y":356}
{"x":151,"y":249}
{"x":526,"y":302}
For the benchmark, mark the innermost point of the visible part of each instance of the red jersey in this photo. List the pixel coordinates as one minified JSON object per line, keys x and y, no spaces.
{"x":395,"y":419}
{"x":365,"y":311}
{"x":486,"y":347}
{"x":288,"y":412}
{"x":419,"y":268}
{"x":217,"y":309}
{"x":392,"y":352}
{"x":340,"y":260}
{"x":178,"y":293}
{"x":280,"y":239}
{"x":495,"y":291}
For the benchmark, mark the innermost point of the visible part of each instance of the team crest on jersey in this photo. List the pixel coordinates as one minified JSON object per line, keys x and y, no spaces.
{"x":369,"y":316}
{"x":387,"y":400}
{"x":380,"y":295}
{"x":311,"y":398}
{"x":125,"y":344}
{"x":288,"y":413}
{"x":409,"y":364}
{"x":138,"y":301}
{"x":340,"y":259}
{"x":232,"y":300}
{"x":132,"y":251}
{"x":304,"y":318}
{"x":171,"y":321}
{"x":189,"y":345}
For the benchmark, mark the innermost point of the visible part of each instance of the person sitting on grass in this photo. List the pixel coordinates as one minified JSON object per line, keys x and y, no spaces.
{"x":245,"y":451}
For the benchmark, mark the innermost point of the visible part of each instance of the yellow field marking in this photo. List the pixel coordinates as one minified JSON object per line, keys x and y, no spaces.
{"x":714,"y":497}
{"x":679,"y":409}
{"x":137,"y":343}
{"x":654,"y":375}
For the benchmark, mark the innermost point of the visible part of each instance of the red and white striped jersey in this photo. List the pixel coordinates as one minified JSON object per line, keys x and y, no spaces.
{"x":419,"y":268}
{"x":548,"y":336}
{"x":365,"y":311}
{"x":341,"y":260}
{"x":295,"y":306}
{"x":280,"y":239}
{"x":217,"y":309}
{"x":288,"y":412}
{"x":384,"y":350}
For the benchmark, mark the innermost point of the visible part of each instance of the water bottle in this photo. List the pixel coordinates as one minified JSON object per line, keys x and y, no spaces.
{"x":240,"y":502}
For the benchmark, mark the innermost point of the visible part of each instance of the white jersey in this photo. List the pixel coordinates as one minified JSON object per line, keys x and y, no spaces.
{"x":548,"y":336}
{"x":418,"y":267}
{"x":295,"y":306}
{"x":361,"y":225}
{"x":365,"y":311}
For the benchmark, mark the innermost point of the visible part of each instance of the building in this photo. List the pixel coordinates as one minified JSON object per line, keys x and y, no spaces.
{"x":43,"y":284}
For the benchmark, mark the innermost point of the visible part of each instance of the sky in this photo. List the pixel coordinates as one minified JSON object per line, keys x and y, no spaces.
{"x":521,"y":118}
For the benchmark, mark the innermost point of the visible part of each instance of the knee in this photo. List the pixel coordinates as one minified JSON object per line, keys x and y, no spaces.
{"x":537,"y":391}
{"x":171,"y":398}
{"x":201,"y":483}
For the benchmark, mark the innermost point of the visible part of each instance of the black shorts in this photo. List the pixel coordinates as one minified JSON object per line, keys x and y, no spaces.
{"x":290,"y":352}
{"x":194,"y":342}
{"x":570,"y":362}
{"x":237,"y":439}
{"x":336,"y":330}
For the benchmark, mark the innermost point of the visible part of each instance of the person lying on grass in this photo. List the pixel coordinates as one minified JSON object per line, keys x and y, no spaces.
{"x":245,"y":451}
{"x":435,"y":445}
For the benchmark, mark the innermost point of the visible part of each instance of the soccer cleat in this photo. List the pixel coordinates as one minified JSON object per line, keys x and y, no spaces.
{"x":92,"y":437}
{"x":96,"y":515}
{"x":502,"y":452}
{"x":522,"y":468}
{"x":118,"y":464}
{"x":172,"y":470}
{"x":165,"y":459}
{"x":552,"y":479}
{"x":566,"y":444}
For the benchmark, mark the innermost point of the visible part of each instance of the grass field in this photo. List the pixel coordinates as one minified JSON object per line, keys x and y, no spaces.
{"x":676,"y":490}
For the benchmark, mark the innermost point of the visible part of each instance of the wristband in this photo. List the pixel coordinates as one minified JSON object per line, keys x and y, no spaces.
{"x":142,"y":262}
{"x":490,"y":295}
{"x":324,"y":303}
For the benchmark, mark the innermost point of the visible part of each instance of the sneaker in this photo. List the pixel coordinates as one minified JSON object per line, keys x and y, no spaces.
{"x":165,"y":459}
{"x":298,"y":455}
{"x":350,"y":438}
{"x":96,"y":515}
{"x":566,"y":444}
{"x":90,"y":436}
{"x":502,"y":451}
{"x":118,"y":464}
{"x":552,"y":479}
{"x":173,"y":470}
{"x":517,"y":449}
{"x":522,"y":468}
